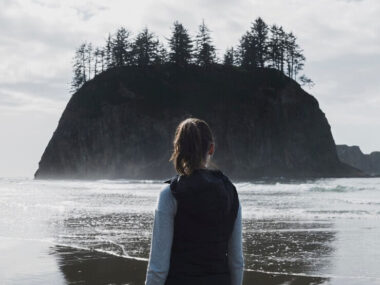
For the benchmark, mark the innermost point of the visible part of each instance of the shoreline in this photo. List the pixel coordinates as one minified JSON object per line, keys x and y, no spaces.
{"x":50,"y":263}
{"x":258,"y":180}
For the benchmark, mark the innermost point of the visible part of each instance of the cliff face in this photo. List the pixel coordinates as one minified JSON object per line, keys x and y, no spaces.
{"x":352,"y":155}
{"x":121,"y":125}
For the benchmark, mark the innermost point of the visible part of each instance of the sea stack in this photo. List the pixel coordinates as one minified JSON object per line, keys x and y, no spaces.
{"x":352,"y":155}
{"x":121,"y":124}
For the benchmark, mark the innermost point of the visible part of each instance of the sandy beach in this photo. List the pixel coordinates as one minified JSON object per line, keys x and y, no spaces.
{"x":41,"y":262}
{"x":74,"y":232}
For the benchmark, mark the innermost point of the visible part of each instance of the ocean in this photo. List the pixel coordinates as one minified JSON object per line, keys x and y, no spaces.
{"x":324,"y":231}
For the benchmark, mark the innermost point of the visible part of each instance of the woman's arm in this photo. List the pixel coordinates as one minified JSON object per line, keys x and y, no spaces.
{"x":162,"y":237}
{"x":235,"y":251}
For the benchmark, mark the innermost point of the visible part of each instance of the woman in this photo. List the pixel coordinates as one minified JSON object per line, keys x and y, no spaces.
{"x":197,"y":235}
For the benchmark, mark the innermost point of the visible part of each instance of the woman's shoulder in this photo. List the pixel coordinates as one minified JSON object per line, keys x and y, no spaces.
{"x":225,"y":177}
{"x":166,"y":200}
{"x":165,"y":192}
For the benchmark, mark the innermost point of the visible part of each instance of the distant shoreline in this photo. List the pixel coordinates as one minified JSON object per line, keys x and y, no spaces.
{"x":264,"y":180}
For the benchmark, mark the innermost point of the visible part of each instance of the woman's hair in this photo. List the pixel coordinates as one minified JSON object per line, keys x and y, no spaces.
{"x":191,"y":143}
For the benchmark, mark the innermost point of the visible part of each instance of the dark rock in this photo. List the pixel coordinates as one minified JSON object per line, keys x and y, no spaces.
{"x":352,"y":155}
{"x":121,"y":125}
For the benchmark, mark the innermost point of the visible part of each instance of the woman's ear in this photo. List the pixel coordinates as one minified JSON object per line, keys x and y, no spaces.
{"x":212,"y":149}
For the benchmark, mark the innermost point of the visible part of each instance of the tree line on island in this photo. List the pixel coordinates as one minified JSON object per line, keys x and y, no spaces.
{"x":262,"y":46}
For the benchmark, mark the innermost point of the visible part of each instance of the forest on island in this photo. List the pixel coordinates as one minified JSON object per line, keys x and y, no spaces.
{"x":262,"y":46}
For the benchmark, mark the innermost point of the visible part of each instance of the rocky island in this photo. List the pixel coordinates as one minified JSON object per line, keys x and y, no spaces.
{"x":121,"y":124}
{"x":352,"y":155}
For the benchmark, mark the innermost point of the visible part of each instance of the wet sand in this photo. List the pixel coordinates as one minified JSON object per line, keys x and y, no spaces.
{"x":35,"y":262}
{"x":302,"y":231}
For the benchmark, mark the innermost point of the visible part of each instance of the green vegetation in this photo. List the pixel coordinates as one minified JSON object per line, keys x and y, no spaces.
{"x":262,"y":46}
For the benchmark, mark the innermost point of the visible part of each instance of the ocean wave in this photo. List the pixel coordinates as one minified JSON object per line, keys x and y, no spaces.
{"x":337,"y":188}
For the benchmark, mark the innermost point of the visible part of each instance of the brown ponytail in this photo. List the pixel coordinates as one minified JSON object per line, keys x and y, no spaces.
{"x":191,"y":143}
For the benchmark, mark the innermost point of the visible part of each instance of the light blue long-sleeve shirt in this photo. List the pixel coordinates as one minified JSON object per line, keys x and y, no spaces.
{"x":162,"y":238}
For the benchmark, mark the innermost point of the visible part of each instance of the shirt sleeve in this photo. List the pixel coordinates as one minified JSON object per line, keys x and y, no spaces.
{"x":162,"y":238}
{"x":235,"y":251}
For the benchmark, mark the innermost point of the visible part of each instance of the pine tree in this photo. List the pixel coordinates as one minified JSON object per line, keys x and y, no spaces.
{"x":247,"y":51}
{"x":89,"y":60}
{"x":180,"y":45}
{"x":273,"y":47}
{"x":260,"y":34}
{"x":229,"y":57}
{"x":293,"y":56}
{"x":102,"y":59}
{"x":277,"y":47}
{"x":162,"y":54}
{"x":108,"y":51}
{"x":204,"y":49}
{"x":283,"y":36}
{"x":121,"y":47}
{"x":299,"y":63}
{"x":97,"y":60}
{"x":253,"y":47}
{"x":79,"y":67}
{"x":145,"y":48}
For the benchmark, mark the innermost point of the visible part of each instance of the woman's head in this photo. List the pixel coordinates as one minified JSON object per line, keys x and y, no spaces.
{"x":192,"y":146}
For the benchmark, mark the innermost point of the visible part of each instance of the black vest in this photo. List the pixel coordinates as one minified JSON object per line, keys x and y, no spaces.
{"x":207,"y":205}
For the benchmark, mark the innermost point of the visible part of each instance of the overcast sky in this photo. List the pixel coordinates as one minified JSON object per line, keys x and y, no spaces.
{"x":340,"y":38}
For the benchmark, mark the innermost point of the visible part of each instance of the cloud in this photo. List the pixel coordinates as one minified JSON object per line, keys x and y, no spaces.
{"x":14,"y":101}
{"x":340,"y":39}
{"x":86,"y":12}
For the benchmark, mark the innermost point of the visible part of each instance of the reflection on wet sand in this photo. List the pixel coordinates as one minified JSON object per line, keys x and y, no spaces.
{"x":91,"y":267}
{"x":275,"y":251}
{"x":118,"y":233}
{"x":292,"y":247}
{"x":253,"y":278}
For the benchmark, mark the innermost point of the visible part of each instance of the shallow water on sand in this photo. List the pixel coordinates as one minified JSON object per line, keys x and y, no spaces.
{"x":320,"y":231}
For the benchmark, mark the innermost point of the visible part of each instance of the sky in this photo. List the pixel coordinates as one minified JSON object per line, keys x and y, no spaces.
{"x":38,"y":38}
